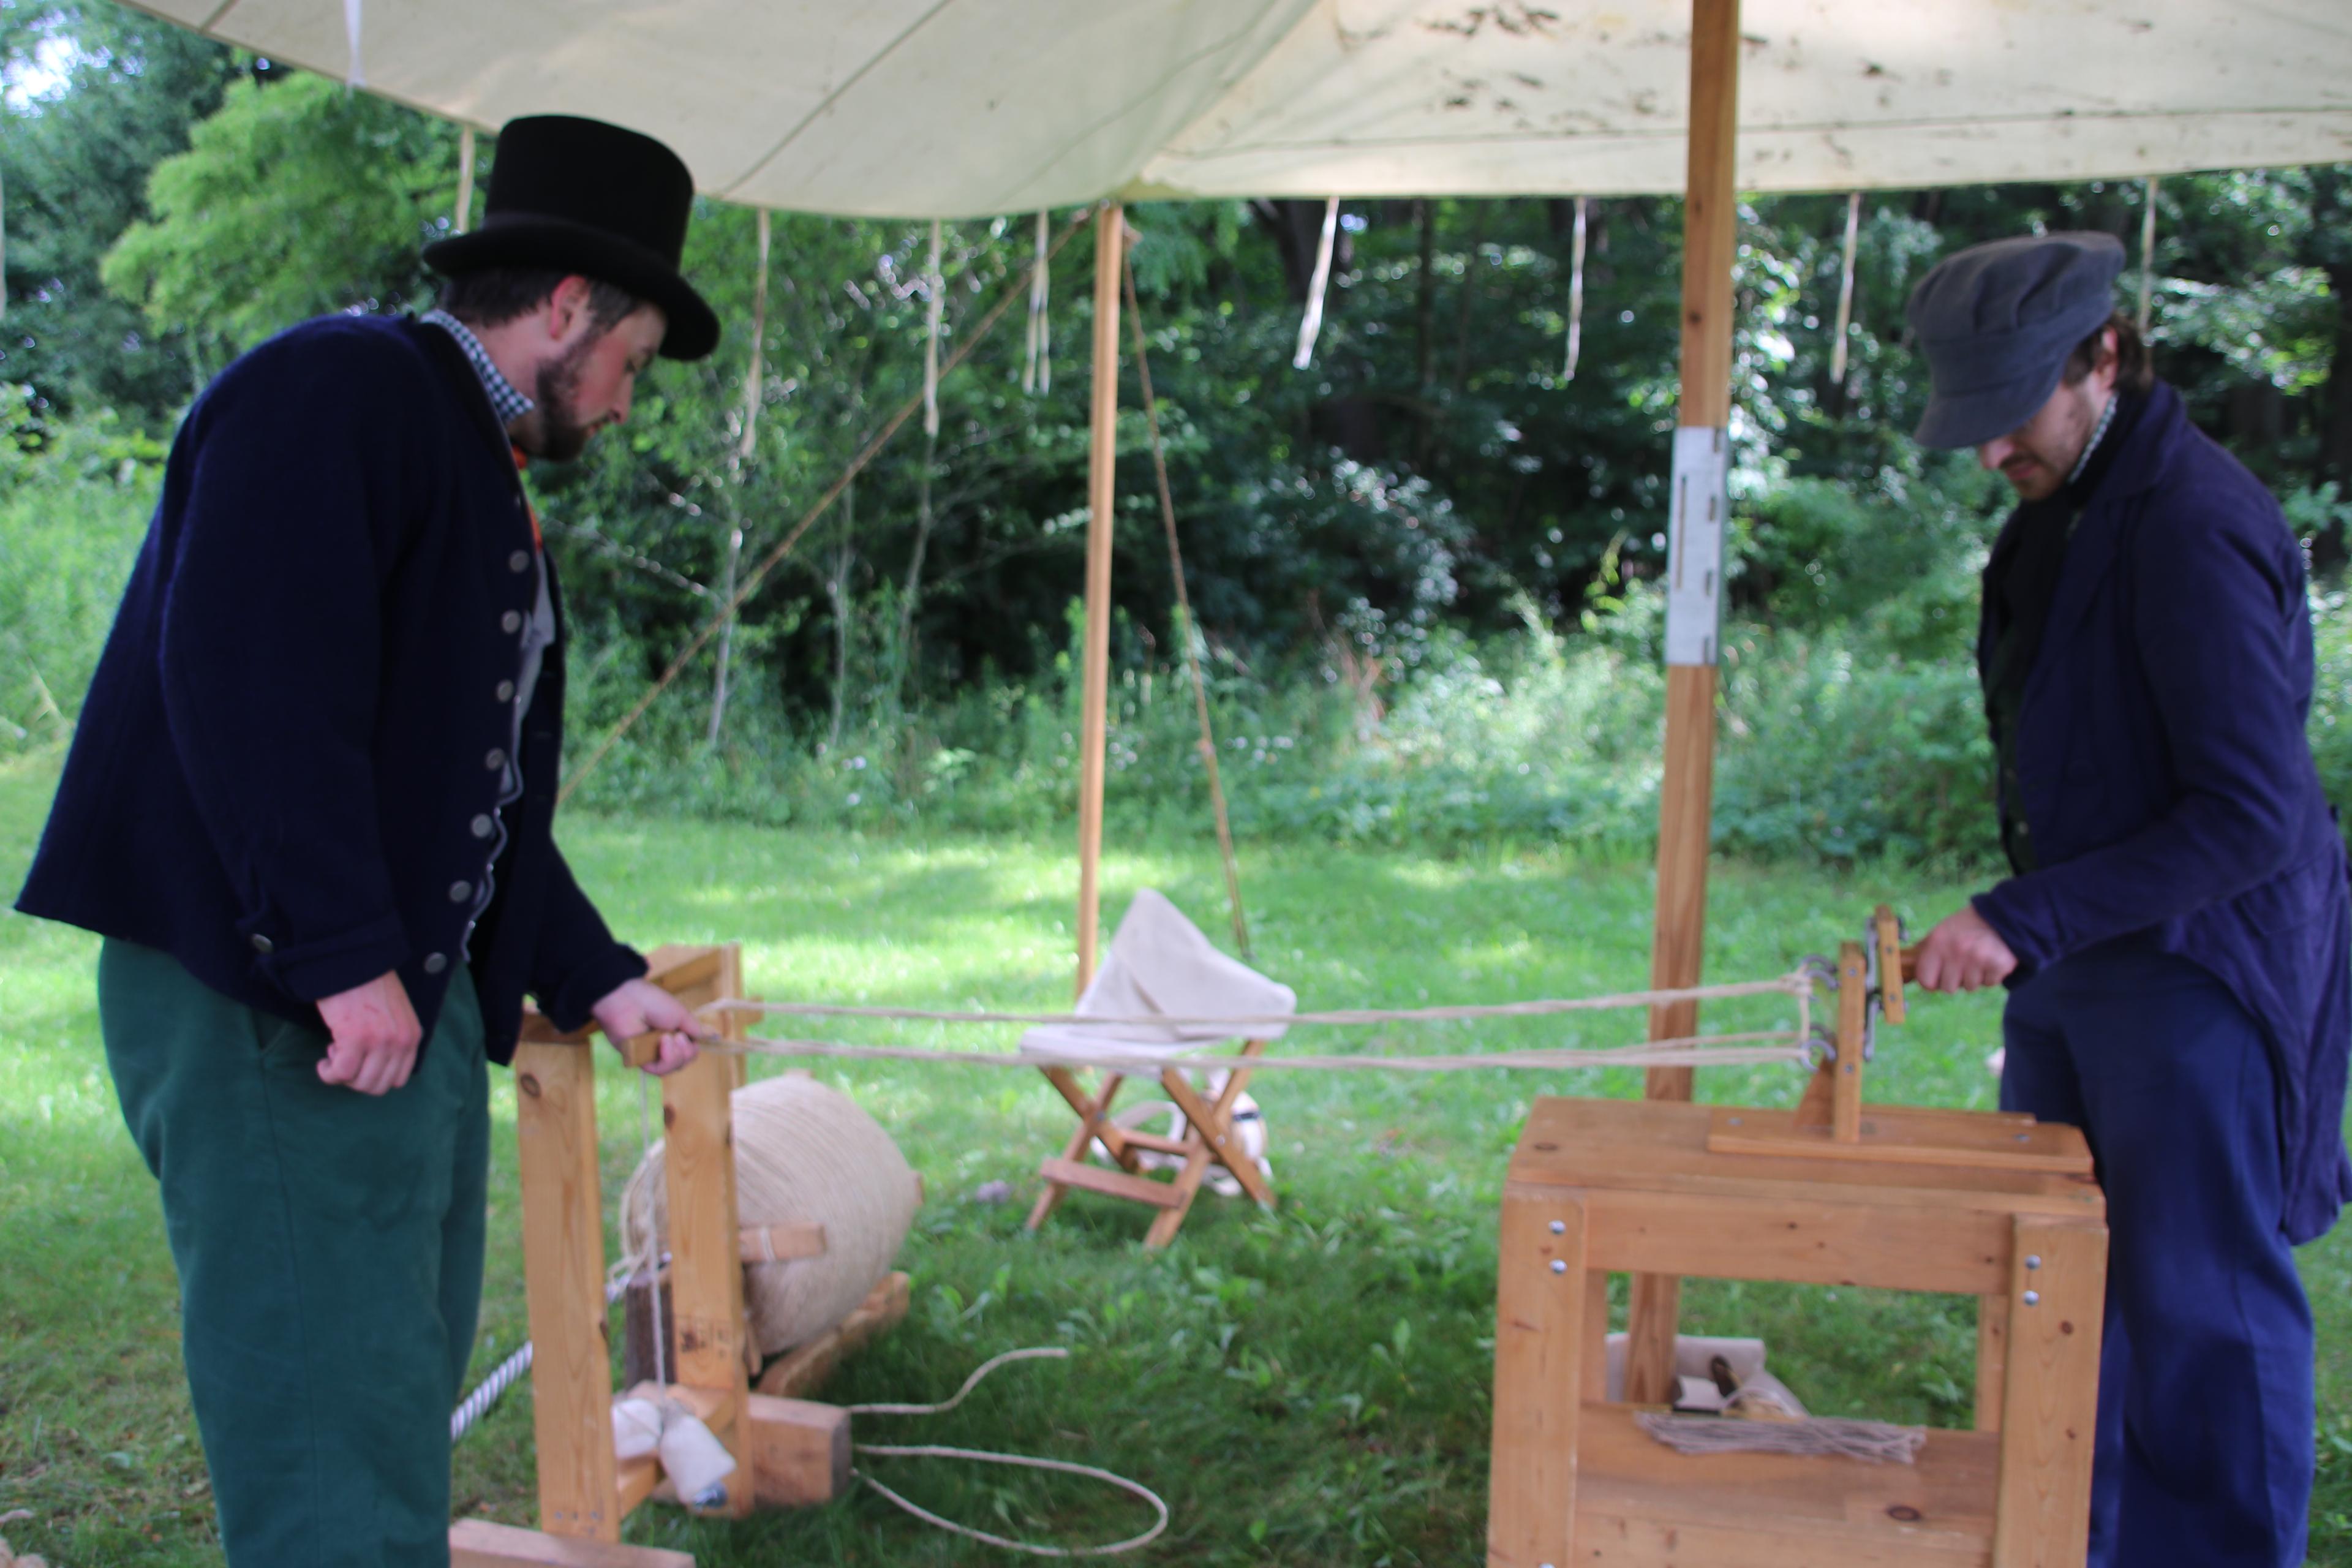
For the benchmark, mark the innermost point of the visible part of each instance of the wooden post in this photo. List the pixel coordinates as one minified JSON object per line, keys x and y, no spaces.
{"x":1853,"y":1040}
{"x":1102,"y":453}
{"x":1695,"y":577}
{"x":563,"y":1273}
{"x":1541,"y":1361}
{"x":706,"y":1269}
{"x":2055,"y":1306}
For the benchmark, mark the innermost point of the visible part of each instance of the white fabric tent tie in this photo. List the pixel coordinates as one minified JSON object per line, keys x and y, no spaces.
{"x":1311,"y":324}
{"x":1575,"y":293}
{"x":354,"y":78}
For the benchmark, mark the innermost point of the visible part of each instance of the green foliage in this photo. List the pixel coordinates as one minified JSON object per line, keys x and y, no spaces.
{"x":345,"y":187}
{"x":76,"y":162}
{"x":72,"y":511}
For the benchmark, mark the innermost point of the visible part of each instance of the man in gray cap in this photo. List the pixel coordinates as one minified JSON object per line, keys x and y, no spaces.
{"x":2176,"y":933}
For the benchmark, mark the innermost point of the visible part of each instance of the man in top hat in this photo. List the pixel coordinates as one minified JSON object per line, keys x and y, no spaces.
{"x":307,"y":806}
{"x":2174,"y":932}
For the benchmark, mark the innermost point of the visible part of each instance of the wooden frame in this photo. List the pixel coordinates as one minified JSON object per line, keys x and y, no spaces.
{"x":1994,"y":1205}
{"x":788,"y":1451}
{"x":1209,"y":1139}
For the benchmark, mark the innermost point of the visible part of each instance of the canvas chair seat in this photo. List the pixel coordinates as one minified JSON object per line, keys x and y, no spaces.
{"x":1159,"y":964}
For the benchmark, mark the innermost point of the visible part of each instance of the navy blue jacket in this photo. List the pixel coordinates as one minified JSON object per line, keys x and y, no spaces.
{"x":2166,"y":781}
{"x":284,"y":770}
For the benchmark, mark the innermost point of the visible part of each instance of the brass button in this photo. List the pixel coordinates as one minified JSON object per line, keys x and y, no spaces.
{"x":434,"y":962}
{"x":512,"y":621}
{"x":483,"y":826}
{"x":460,"y":892}
{"x":262,"y":944}
{"x":495,"y":760}
{"x":506,"y":690}
{"x":518,"y":562}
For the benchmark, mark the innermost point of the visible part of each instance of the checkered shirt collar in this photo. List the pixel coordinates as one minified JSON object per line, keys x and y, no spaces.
{"x":505,"y":401}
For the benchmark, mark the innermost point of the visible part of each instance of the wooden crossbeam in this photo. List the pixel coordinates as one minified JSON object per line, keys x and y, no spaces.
{"x":478,"y":1543}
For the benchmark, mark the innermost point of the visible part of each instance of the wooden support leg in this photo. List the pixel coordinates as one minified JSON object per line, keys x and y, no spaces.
{"x":1214,"y":1125}
{"x":1182,"y":1191}
{"x":1853,"y":1040}
{"x":1596,"y":1334}
{"x":1541,"y":1355}
{"x":1094,"y":1121}
{"x":564,"y":1270}
{"x":2057,"y":1297}
{"x":478,"y":1543}
{"x":706,"y":1269}
{"x":1992,"y":1360}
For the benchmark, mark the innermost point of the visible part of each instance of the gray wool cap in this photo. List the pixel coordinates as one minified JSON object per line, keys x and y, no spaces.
{"x":1997,"y":322}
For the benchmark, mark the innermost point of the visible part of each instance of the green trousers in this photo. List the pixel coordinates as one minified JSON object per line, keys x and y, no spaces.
{"x":330,"y":1252}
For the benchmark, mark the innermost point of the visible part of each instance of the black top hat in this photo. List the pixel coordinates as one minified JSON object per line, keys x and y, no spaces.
{"x":592,"y":199}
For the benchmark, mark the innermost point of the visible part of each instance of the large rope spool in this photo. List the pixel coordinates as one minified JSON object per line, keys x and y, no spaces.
{"x":804,"y":1153}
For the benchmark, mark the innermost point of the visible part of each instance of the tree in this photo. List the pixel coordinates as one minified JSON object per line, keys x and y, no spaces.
{"x":76,"y":162}
{"x":294,"y":199}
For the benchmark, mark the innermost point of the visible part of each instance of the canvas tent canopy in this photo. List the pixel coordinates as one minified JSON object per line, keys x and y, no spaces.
{"x":976,"y":107}
{"x":980,"y":108}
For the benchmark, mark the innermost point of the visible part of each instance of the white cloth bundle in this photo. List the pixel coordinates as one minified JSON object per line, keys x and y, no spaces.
{"x":692,"y":1458}
{"x":1161,"y":964}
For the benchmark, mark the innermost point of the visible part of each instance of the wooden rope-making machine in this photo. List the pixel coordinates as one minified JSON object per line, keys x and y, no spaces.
{"x":787,"y":1451}
{"x":1837,"y":1193}
{"x":1998,"y":1207}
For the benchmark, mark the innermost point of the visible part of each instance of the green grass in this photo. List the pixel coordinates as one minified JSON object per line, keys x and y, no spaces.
{"x":1307,"y":1386}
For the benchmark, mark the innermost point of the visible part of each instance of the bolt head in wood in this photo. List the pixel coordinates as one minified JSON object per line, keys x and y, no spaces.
{"x":2034,"y":1261}
{"x":1559,"y":1227}
{"x":2032,"y":1298}
{"x":1558,"y":1266}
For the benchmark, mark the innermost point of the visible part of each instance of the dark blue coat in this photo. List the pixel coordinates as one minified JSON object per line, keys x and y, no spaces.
{"x":2165,"y":776}
{"x":284,"y":770}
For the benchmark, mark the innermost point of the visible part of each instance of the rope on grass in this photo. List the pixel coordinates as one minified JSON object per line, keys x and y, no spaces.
{"x":1022,"y":1462}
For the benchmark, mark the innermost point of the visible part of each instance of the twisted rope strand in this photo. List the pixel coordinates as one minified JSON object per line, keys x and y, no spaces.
{"x":1756,"y":1049}
{"x":1796,"y":984}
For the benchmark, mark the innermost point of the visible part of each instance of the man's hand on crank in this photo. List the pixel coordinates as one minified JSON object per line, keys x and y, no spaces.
{"x":636,"y":1007}
{"x":1963,"y":954}
{"x":372,"y":1035}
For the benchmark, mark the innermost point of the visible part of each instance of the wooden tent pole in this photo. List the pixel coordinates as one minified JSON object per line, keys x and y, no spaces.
{"x":1102,"y":453}
{"x":1694,"y":576}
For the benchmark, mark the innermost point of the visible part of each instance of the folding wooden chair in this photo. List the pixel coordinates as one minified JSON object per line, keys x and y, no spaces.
{"x":1158,"y":963}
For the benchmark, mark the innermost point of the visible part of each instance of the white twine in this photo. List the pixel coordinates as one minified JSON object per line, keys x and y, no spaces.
{"x":1753,"y":1047}
{"x":1691,"y":1051}
{"x":1021,"y":1461}
{"x":1037,"y":369}
{"x":1796,"y":984}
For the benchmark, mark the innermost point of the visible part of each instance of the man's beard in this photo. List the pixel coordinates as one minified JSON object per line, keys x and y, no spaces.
{"x":562,"y":436}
